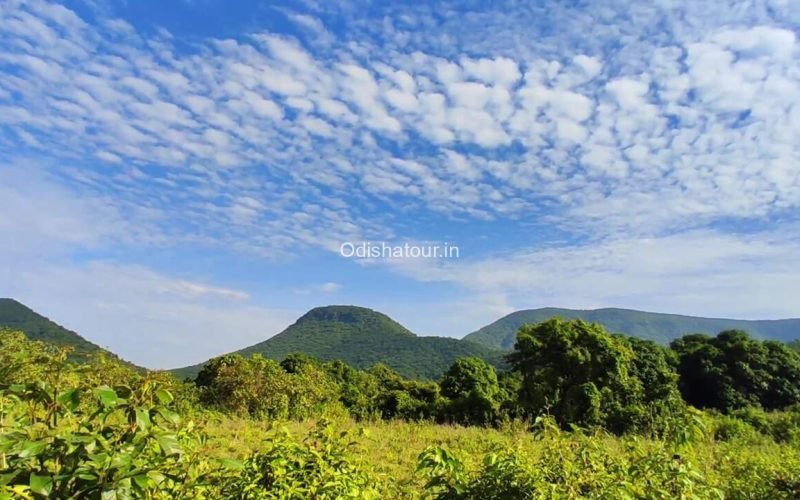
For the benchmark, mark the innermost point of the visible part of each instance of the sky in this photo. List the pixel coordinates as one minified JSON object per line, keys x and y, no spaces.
{"x":177,"y":178}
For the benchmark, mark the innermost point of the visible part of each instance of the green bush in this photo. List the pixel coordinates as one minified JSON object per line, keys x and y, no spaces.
{"x":727,"y":428}
{"x":323,"y":466}
{"x":105,"y":443}
{"x":571,"y":465}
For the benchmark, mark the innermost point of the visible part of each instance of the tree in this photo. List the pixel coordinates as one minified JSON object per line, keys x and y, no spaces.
{"x":583,"y":375}
{"x":659,"y":398}
{"x":732,"y":371}
{"x":255,"y":386}
{"x":402,"y":398}
{"x":472,"y":387}
{"x":294,"y":362}
{"x":358,"y":390}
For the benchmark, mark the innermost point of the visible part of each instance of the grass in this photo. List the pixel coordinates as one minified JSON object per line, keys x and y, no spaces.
{"x":390,"y":450}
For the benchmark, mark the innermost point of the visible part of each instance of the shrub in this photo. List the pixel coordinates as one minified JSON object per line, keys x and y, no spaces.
{"x":727,"y":428}
{"x":105,"y":443}
{"x":323,"y":466}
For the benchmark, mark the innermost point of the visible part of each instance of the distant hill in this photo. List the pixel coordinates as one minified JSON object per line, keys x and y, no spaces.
{"x":363,"y":337}
{"x":18,"y":316}
{"x":661,"y":328}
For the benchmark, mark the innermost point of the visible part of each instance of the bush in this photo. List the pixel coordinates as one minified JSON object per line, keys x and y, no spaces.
{"x":727,"y":428}
{"x":262,"y":388}
{"x":105,"y":443}
{"x":322,"y":466}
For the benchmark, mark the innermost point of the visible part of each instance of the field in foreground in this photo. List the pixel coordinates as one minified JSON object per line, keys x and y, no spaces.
{"x":255,"y":429}
{"x":499,"y":462}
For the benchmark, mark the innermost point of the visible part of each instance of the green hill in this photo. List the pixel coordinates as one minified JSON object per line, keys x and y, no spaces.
{"x":659,"y":327}
{"x":363,"y":337}
{"x":18,"y":316}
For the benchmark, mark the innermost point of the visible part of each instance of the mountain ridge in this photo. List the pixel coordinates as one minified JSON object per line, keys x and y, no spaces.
{"x":363,"y":337}
{"x":18,"y":316}
{"x":660,"y":327}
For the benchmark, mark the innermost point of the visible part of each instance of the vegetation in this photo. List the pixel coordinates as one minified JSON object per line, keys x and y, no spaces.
{"x":584,"y":376}
{"x":660,"y":328}
{"x":581,"y":413}
{"x":732,"y":371}
{"x":363,"y":338}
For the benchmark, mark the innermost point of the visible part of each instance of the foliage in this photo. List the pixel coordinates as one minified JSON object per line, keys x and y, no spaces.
{"x":569,"y":466}
{"x":359,"y":391}
{"x":585,"y":376}
{"x":106,"y":443}
{"x":402,"y":398}
{"x":471,"y":385}
{"x":732,"y":371}
{"x":101,"y":430}
{"x":262,"y":388}
{"x":322,"y":466}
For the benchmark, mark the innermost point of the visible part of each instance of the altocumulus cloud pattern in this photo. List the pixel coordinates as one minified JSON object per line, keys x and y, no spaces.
{"x":605,"y":138}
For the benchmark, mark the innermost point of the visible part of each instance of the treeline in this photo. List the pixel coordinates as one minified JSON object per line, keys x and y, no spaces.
{"x":573,"y":371}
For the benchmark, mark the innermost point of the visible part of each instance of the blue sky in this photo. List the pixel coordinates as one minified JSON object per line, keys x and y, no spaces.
{"x":177,"y":177}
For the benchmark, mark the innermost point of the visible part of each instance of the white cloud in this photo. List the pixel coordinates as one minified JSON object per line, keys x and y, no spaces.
{"x":147,"y":317}
{"x":703,"y":273}
{"x":498,"y":71}
{"x":665,"y":121}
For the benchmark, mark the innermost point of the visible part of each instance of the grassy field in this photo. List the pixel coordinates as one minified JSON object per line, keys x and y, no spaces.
{"x":746,"y":467}
{"x":389,"y":448}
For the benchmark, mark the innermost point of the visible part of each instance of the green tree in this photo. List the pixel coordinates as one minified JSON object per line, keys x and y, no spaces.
{"x":472,"y":387}
{"x":358,"y":390}
{"x":262,"y":388}
{"x":657,"y":400}
{"x":294,"y":362}
{"x":583,"y":375}
{"x":733,"y":371}
{"x":402,"y":398}
{"x":254,"y":386}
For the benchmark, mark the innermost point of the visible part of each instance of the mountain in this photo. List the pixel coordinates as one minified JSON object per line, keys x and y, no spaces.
{"x":18,"y":316}
{"x":363,"y":337}
{"x":659,"y":327}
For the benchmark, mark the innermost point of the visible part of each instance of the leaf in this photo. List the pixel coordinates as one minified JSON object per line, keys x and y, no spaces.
{"x":169,"y":444}
{"x":41,"y":485}
{"x":164,"y":396}
{"x":143,"y":419}
{"x":8,"y":477}
{"x":70,"y":399}
{"x":32,"y":448}
{"x":123,"y":391}
{"x":121,"y":492}
{"x":142,"y":481}
{"x":108,"y":397}
{"x":156,"y":476}
{"x":232,"y":464}
{"x":169,"y":415}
